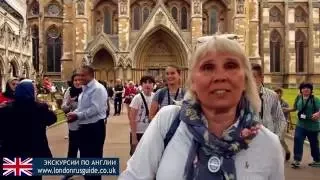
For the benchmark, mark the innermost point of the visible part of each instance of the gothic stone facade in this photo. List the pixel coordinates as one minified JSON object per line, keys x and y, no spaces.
{"x":15,"y":45}
{"x":126,"y":39}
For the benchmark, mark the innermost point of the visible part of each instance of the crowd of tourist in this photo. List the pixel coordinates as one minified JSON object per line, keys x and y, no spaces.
{"x":215,"y":127}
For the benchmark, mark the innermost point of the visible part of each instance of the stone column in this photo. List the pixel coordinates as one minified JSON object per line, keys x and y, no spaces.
{"x":67,"y":65}
{"x":291,"y":46}
{"x":316,"y":38}
{"x":119,"y":72}
{"x":129,"y":74}
{"x":196,"y":20}
{"x":80,"y":31}
{"x":239,"y":22}
{"x":286,"y":42}
{"x":42,"y":37}
{"x":310,"y":62}
{"x":123,"y":24}
{"x":253,"y":31}
{"x":266,"y":43}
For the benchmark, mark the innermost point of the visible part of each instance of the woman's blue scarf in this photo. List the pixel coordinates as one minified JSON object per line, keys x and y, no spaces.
{"x":206,"y":145}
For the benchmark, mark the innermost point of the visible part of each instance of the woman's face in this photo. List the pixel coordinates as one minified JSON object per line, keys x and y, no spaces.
{"x":306,"y":92}
{"x":77,"y":82}
{"x":13,"y":84}
{"x":218,"y":79}
{"x":131,"y":85}
{"x":173,"y":77}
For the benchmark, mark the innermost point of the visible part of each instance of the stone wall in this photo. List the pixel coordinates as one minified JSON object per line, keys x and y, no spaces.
{"x":15,"y":45}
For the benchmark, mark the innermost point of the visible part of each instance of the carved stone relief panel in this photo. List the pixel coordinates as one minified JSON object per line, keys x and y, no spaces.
{"x":160,"y":19}
{"x":2,"y":35}
{"x":80,"y":7}
{"x":160,"y":49}
{"x":240,"y":6}
{"x":123,"y":7}
{"x":196,"y":6}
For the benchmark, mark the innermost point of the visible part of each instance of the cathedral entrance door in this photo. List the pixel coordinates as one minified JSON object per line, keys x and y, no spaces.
{"x":103,"y":64}
{"x":157,"y":50}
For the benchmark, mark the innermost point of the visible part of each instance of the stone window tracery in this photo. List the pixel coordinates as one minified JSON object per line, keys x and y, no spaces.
{"x":300,"y":15}
{"x":275,"y":51}
{"x":13,"y":70}
{"x":275,"y":14}
{"x":34,"y":10}
{"x":54,"y":9}
{"x":301,"y":50}
{"x":145,"y":14}
{"x":136,"y":18}
{"x":140,"y":12}
{"x":35,"y":47}
{"x":54,"y":49}
{"x":184,"y":18}
{"x":174,"y":13}
{"x":107,"y":22}
{"x":98,"y":22}
{"x":213,"y":20}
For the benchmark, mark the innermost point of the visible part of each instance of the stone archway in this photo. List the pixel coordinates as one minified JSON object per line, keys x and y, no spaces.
{"x":103,"y":63}
{"x":156,"y":51}
{"x":26,"y":70}
{"x":13,"y":69}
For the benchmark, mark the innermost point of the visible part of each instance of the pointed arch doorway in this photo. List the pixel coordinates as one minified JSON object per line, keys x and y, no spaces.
{"x":156,"y":51}
{"x":103,"y":64}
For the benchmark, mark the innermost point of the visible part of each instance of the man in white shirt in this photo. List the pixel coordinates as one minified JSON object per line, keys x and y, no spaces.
{"x":91,"y":113}
{"x":139,"y":111}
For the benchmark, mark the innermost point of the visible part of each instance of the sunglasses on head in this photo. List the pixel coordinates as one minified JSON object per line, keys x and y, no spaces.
{"x":204,"y":39}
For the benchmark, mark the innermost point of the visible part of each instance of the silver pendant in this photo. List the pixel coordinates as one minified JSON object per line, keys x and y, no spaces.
{"x":214,"y":164}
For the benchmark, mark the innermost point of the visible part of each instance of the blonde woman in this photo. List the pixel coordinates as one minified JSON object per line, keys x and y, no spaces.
{"x":129,"y":93}
{"x":219,"y":136}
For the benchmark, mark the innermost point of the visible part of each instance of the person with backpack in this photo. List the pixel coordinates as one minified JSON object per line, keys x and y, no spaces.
{"x":308,"y":125}
{"x":169,"y":94}
{"x":139,"y":113}
{"x":218,"y":135}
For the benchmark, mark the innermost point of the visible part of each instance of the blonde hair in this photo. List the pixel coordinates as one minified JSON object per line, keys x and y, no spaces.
{"x":225,"y":45}
{"x":131,"y":83}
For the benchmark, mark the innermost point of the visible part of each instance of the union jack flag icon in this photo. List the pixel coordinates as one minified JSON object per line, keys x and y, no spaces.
{"x":17,"y":167}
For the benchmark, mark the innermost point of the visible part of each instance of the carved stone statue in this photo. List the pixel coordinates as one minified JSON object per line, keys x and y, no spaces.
{"x":80,"y":7}
{"x":221,"y":26}
{"x":2,"y":35}
{"x":123,"y":7}
{"x":240,"y":6}
{"x":160,"y":18}
{"x":197,"y":6}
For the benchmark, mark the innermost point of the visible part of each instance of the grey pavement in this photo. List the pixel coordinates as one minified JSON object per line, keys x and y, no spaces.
{"x":117,"y":145}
